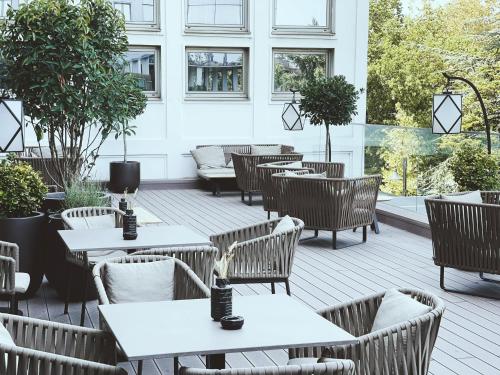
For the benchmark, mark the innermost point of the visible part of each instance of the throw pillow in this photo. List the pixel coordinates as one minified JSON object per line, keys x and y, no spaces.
{"x":315,"y":175}
{"x":139,"y":282}
{"x":397,"y":307}
{"x":472,"y":197}
{"x":209,"y":157}
{"x":284,"y":225}
{"x":294,"y":165}
{"x":5,"y":337}
{"x":265,"y":150}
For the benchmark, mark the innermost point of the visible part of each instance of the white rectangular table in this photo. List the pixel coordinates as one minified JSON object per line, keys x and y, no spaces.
{"x":182,"y":328}
{"x":147,"y":237}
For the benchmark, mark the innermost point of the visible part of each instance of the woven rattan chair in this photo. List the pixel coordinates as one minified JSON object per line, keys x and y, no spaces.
{"x":259,"y":255}
{"x":82,"y":259}
{"x":12,"y":282}
{"x":265,"y":171}
{"x":404,"y":348}
{"x":245,"y":168}
{"x":44,"y":347}
{"x":466,"y":236}
{"x":332,"y":204}
{"x":339,"y":367}
{"x":201,"y":259}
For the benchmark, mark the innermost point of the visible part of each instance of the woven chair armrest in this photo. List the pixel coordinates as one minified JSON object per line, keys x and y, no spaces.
{"x":491,"y":197}
{"x":187,"y":284}
{"x":7,"y":275}
{"x":10,"y":250}
{"x":223,"y":240}
{"x":19,"y":360}
{"x":63,"y":339}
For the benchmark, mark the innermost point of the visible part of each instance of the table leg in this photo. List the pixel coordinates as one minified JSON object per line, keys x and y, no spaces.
{"x":216,"y":361}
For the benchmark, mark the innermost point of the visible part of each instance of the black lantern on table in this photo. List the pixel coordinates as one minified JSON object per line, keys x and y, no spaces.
{"x":292,"y":119}
{"x":447,"y":113}
{"x":11,"y":125}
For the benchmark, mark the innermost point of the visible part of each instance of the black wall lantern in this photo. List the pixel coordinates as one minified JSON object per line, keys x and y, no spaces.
{"x":292,"y":119}
{"x":447,"y":113}
{"x":11,"y":125}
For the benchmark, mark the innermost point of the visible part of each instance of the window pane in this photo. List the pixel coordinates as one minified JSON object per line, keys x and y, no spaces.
{"x":302,"y":13}
{"x":291,"y":69}
{"x":215,"y":71}
{"x":138,"y":11}
{"x":215,"y":12}
{"x":142,"y":64}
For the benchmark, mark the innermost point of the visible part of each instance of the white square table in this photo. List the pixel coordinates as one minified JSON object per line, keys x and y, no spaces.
{"x":148,"y":237}
{"x":149,"y":330}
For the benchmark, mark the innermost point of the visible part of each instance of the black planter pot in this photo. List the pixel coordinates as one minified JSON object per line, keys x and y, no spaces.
{"x":27,"y":233}
{"x":124,"y":176}
{"x":57,"y":270}
{"x":221,"y":300}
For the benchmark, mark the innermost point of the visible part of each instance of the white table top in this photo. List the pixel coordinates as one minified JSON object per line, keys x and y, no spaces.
{"x":182,"y":328}
{"x":147,"y":237}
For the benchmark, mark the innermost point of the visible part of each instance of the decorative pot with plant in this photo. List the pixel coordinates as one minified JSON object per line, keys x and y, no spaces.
{"x":124,"y":175}
{"x":72,"y":78}
{"x":21,"y":195}
{"x":221,"y":296}
{"x":329,"y":101}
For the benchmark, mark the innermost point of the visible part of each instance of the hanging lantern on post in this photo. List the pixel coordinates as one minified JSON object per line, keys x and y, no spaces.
{"x":447,"y":113}
{"x":11,"y":125}
{"x":292,"y":119}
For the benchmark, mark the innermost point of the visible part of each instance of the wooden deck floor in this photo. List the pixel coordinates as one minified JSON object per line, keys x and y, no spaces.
{"x":469,"y":339}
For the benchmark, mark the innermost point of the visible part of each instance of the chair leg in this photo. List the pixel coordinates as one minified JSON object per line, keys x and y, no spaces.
{"x":334,"y":240}
{"x":268,"y":215}
{"x":13,"y":304}
{"x":364,"y":233}
{"x":242,"y":196}
{"x":273,"y":289}
{"x":441,"y":278}
{"x":84,"y":300}
{"x":176,"y":365}
{"x":68,"y":290}
{"x":316,"y":233}
{"x":287,"y":285}
{"x":249,"y":198}
{"x":139,"y":367}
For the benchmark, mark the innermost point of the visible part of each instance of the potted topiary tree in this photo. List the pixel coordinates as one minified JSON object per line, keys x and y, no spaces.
{"x":71,"y":79}
{"x":21,"y":195}
{"x":329,"y":101}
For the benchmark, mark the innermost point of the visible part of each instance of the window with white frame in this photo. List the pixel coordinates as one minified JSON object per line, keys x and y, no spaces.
{"x":303,"y":16}
{"x":216,"y":15}
{"x":143,"y":62}
{"x":216,"y":73}
{"x":138,"y":13}
{"x":291,"y":68}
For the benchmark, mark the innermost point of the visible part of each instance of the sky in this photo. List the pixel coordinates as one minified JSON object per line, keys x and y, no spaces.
{"x":408,"y":5}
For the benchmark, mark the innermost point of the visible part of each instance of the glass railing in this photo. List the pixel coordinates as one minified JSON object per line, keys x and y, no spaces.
{"x":415,"y":163}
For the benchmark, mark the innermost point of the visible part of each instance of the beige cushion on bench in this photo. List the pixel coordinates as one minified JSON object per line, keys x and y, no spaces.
{"x":216,"y":173}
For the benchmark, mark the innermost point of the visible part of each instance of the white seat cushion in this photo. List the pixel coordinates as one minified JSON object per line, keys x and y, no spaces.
{"x":397,"y":307}
{"x":209,"y":157}
{"x":285,"y":224}
{"x":5,"y":337}
{"x":472,"y":197}
{"x":216,"y":173}
{"x":22,"y":282}
{"x":265,"y":150}
{"x":139,"y":282}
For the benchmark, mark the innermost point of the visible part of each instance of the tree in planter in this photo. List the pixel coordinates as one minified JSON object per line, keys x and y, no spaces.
{"x":65,"y":60}
{"x":329,"y":101}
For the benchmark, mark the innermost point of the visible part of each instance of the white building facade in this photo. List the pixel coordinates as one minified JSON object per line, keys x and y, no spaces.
{"x":219,"y":72}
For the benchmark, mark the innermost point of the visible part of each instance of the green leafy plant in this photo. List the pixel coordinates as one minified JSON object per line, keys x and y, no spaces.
{"x":85,"y":193}
{"x":329,"y":101}
{"x":21,"y":189}
{"x":65,"y":60}
{"x":473,"y":168}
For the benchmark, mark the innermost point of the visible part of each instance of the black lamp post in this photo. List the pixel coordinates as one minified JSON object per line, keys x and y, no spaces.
{"x":445,"y":108}
{"x":292,"y":119}
{"x":11,"y":125}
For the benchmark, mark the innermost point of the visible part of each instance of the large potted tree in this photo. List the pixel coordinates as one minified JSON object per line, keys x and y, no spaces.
{"x":71,"y":79}
{"x":21,"y":195}
{"x":329,"y":101}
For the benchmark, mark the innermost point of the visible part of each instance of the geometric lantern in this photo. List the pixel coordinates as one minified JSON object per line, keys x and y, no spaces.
{"x":11,"y":125}
{"x":292,"y":120}
{"x":447,"y":113}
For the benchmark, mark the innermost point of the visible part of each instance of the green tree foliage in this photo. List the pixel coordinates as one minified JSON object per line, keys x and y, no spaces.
{"x":64,"y":59}
{"x":329,"y":101}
